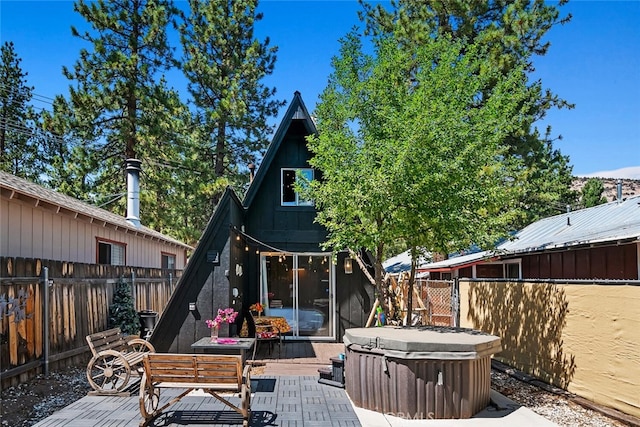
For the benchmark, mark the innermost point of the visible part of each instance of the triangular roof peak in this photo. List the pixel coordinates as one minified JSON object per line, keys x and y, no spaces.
{"x":296,"y":111}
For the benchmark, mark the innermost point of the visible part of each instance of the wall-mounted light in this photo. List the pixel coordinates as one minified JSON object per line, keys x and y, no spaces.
{"x":213,"y":257}
{"x":348,"y":266}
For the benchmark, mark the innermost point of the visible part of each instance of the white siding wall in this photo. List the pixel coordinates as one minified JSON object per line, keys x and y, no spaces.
{"x":33,"y":232}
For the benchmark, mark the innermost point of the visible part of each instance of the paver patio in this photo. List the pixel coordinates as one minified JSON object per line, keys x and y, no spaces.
{"x":276,"y":401}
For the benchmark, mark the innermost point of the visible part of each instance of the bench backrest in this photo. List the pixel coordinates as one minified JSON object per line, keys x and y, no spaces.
{"x":194,"y":368}
{"x":111,"y":339}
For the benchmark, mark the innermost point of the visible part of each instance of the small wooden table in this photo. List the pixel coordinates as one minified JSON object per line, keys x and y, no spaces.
{"x":241,"y":347}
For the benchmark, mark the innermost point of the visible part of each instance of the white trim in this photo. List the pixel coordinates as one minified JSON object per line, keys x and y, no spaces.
{"x":297,"y":201}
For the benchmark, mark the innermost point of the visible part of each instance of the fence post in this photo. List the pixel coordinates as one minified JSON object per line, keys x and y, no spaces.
{"x":45,"y":338}
{"x":455,"y":302}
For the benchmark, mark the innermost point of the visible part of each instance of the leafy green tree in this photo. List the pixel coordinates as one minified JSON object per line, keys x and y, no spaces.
{"x":122,"y":312}
{"x":412,"y":146}
{"x":121,"y":107}
{"x":20,"y":140}
{"x":592,"y":193}
{"x":225,"y":65}
{"x":510,"y":33}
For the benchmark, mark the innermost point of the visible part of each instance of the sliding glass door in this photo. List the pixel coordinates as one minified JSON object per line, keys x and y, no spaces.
{"x":300,"y":288}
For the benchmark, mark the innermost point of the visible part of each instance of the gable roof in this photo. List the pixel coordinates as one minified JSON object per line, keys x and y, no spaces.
{"x":610,"y":222}
{"x":296,"y":111}
{"x":14,"y":187}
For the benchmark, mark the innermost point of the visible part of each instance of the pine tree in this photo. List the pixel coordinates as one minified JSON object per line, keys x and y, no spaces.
{"x":225,"y":64}
{"x":121,"y":107}
{"x":592,"y":193}
{"x":20,"y":139}
{"x":122,"y":312}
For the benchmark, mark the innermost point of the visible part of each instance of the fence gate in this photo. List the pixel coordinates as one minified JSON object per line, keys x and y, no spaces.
{"x":440,"y":302}
{"x":435,"y":302}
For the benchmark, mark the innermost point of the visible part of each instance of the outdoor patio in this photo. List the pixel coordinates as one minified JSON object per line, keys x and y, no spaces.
{"x":285,"y":392}
{"x":285,"y":389}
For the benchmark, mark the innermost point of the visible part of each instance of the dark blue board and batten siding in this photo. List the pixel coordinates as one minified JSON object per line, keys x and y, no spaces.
{"x":264,"y":220}
{"x":289,"y":228}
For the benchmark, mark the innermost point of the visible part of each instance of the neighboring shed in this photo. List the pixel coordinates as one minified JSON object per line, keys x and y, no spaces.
{"x":601,"y":242}
{"x":39,"y":223}
{"x":267,"y":249}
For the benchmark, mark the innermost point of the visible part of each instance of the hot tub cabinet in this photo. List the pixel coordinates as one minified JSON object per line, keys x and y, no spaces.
{"x":419,"y":373}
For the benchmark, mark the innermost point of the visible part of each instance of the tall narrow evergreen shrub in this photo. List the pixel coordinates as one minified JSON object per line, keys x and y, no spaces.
{"x":122,"y":312}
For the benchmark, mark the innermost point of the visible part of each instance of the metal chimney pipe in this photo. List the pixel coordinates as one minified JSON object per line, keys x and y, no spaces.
{"x":252,"y":171}
{"x":619,"y":190}
{"x":133,"y":191}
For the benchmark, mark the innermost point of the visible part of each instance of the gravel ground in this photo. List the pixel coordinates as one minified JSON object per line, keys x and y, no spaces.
{"x":26,"y":404}
{"x":29,"y":402}
{"x":557,"y":408}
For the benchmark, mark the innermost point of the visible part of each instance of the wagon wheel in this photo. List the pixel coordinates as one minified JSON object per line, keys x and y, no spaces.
{"x":108,"y":371}
{"x":246,"y":404}
{"x":149,"y":398}
{"x":140,"y":345}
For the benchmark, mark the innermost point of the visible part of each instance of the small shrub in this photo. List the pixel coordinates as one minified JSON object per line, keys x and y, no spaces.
{"x":122,"y":312}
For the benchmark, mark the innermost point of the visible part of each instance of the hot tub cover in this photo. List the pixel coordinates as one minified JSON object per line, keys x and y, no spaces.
{"x":426,"y":342}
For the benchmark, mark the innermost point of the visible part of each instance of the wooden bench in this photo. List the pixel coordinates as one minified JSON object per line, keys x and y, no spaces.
{"x":115,"y":358}
{"x":212,"y":373}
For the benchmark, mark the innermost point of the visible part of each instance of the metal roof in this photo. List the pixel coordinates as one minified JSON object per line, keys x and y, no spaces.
{"x":402,"y":262}
{"x":458,"y":261}
{"x":19,"y":188}
{"x":610,"y":222}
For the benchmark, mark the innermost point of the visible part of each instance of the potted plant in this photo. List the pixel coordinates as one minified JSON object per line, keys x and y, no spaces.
{"x":226,"y":315}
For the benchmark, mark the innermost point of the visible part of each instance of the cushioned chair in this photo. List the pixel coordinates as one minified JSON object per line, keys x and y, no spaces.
{"x":266,"y":332}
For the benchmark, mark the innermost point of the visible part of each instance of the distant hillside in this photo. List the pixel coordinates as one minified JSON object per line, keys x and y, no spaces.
{"x":630,"y":187}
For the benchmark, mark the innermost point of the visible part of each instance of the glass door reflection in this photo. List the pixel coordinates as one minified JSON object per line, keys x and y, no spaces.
{"x":299,"y":288}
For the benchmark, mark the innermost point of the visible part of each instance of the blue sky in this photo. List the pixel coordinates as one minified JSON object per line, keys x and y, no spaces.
{"x":594,"y":62}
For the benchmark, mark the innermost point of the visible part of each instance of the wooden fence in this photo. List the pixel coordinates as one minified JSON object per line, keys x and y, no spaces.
{"x":79,"y":299}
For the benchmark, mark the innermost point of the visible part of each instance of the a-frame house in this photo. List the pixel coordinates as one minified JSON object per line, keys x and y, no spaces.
{"x":267,"y":248}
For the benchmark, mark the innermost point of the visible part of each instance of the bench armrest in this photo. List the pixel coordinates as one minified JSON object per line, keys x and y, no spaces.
{"x":246,"y":377}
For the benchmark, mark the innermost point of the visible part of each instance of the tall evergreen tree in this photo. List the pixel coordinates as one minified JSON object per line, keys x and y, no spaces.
{"x":121,"y":107}
{"x":510,"y":32}
{"x":225,"y":65}
{"x":592,"y":193}
{"x":20,"y":141}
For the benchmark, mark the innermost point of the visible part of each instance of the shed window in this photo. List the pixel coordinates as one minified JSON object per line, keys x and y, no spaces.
{"x":512,"y":271}
{"x":290,"y":177}
{"x":111,"y":253}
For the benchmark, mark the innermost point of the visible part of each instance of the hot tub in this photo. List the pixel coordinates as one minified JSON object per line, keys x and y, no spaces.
{"x":419,"y":373}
